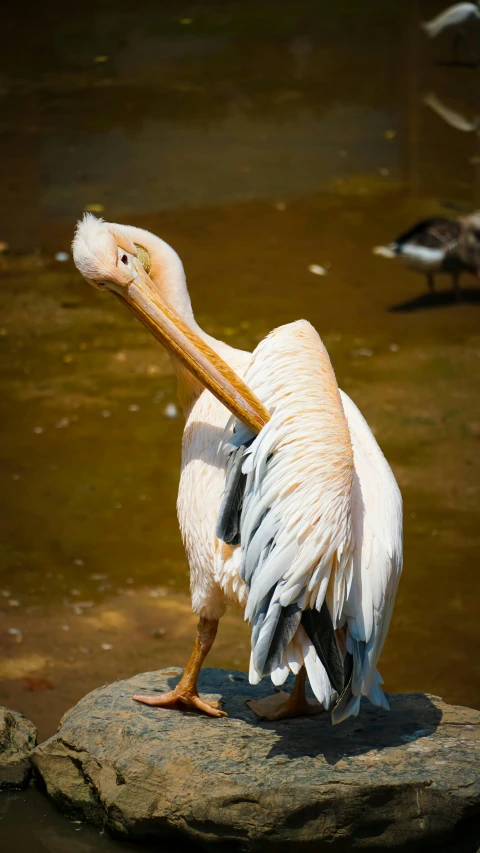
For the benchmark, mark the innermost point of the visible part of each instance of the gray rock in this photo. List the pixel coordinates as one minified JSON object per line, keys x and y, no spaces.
{"x":404,"y":780}
{"x":18,"y":737}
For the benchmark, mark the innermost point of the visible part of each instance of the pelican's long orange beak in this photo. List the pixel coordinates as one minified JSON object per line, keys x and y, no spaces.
{"x":206,"y":365}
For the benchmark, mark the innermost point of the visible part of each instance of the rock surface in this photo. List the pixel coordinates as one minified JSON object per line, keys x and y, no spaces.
{"x":18,"y":737}
{"x":404,"y":780}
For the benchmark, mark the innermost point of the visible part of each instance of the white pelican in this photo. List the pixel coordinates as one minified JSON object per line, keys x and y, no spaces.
{"x":290,"y":509}
{"x":439,"y":245}
{"x":455,"y":18}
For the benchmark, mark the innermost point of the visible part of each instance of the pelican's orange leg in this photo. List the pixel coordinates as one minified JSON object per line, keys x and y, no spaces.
{"x":282,"y":706}
{"x":186,"y":693}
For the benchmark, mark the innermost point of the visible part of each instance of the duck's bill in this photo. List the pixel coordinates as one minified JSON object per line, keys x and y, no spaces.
{"x":198,"y":357}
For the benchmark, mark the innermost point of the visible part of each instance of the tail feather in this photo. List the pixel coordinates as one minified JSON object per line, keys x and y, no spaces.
{"x":281,"y":673}
{"x":319,"y":628}
{"x":317,"y":676}
{"x":294,"y":656}
{"x":348,"y":706}
{"x":253,"y":675}
{"x":279,"y":625}
{"x":376,"y":694}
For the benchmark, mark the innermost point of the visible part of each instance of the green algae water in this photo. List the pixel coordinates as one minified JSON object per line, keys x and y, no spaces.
{"x":263,"y":141}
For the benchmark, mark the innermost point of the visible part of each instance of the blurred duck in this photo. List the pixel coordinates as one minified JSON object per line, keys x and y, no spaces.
{"x":439,"y":245}
{"x":456,"y":18}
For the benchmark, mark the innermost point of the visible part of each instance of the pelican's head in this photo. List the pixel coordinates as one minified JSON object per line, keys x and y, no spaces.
{"x":469,"y":242}
{"x":122,"y":259}
{"x":107,"y":256}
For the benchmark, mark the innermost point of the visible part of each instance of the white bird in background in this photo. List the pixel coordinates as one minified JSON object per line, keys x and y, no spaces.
{"x":454,"y":118}
{"x":456,"y":18}
{"x":289,"y":509}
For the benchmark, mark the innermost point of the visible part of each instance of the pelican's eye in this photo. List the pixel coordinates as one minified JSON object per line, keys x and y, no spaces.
{"x":124,"y":259}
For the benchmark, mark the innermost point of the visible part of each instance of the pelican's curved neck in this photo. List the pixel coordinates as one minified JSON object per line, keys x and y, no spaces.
{"x":168,"y":275}
{"x":166,"y":270}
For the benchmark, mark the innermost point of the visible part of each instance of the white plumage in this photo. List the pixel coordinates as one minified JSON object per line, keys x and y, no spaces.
{"x":453,"y":17}
{"x":321,"y":519}
{"x":314,"y":555}
{"x":377,"y":556}
{"x":421,"y":258}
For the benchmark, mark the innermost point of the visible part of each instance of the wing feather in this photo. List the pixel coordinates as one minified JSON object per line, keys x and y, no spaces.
{"x":319,"y":524}
{"x":295,"y":524}
{"x":377,"y":557}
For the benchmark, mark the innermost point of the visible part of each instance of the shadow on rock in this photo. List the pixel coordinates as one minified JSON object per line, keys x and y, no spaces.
{"x":411,"y":717}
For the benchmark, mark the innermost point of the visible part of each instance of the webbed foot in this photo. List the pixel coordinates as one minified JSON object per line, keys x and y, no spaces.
{"x":178,"y":698}
{"x":284,"y":706}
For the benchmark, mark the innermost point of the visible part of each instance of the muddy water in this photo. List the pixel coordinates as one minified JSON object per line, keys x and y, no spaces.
{"x":259,"y":139}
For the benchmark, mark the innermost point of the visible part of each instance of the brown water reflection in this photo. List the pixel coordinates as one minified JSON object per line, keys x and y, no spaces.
{"x":28,"y":817}
{"x":257,"y":138}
